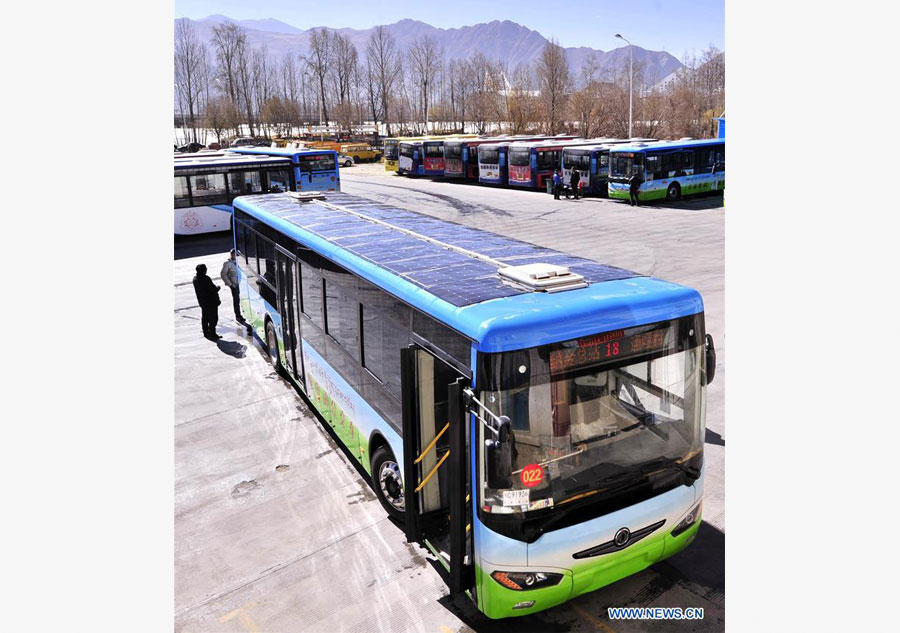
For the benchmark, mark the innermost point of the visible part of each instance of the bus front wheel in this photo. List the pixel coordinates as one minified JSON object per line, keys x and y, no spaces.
{"x":388,"y":483}
{"x":673,"y":192}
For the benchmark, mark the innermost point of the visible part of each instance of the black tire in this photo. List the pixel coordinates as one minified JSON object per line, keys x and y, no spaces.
{"x":387,"y":482}
{"x":673,"y":192}
{"x":272,"y":346}
{"x":355,"y":159}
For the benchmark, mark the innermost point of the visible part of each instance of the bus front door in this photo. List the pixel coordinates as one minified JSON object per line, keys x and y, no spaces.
{"x":436,"y":465}
{"x":287,"y":308}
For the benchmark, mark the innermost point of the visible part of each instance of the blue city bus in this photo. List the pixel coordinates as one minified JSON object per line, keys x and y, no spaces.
{"x":314,"y":169}
{"x":535,"y":420}
{"x":411,"y":159}
{"x":592,"y":163}
{"x":670,"y":169}
{"x":205,"y":185}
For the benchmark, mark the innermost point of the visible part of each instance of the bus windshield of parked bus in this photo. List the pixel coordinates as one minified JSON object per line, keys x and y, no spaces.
{"x":391,"y":148}
{"x":519,"y":156}
{"x":316,"y":162}
{"x":434,"y":150}
{"x":453,"y":151}
{"x":580,"y":160}
{"x":622,"y":164}
{"x":407,"y":151}
{"x":599,"y":413}
{"x":489,"y":156}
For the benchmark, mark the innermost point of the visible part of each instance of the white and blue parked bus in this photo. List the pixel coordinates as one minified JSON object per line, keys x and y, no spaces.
{"x":314,"y":169}
{"x":206,"y":184}
{"x":592,"y":163}
{"x":536,"y":420}
{"x":670,"y":169}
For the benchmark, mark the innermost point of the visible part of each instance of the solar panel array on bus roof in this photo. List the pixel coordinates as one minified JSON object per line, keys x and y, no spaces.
{"x":454,"y":277}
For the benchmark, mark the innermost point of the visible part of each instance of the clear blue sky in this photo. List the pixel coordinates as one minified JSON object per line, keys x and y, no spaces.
{"x":676,"y":26}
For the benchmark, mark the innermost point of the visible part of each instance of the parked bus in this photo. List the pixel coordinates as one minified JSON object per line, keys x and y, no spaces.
{"x":670,"y":169}
{"x":536,"y":420}
{"x":592,"y":163}
{"x":531,"y":163}
{"x":314,"y":169}
{"x":410,"y":161}
{"x":433,"y":157}
{"x":392,"y":150}
{"x":205,"y":186}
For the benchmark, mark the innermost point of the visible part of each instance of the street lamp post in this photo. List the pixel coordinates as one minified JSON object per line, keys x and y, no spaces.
{"x":630,"y":87}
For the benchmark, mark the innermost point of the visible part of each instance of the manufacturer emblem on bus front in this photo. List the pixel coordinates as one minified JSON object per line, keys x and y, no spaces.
{"x":622,"y":537}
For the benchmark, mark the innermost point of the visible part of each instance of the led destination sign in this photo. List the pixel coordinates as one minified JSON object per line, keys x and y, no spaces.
{"x":607,"y":346}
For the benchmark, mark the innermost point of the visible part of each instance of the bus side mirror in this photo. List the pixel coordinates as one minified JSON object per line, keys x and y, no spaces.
{"x":710,"y":359}
{"x":499,"y":457}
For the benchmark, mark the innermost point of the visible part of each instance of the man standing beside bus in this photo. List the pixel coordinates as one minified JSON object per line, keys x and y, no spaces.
{"x":576,"y":178}
{"x":230,"y":277}
{"x":208,"y":297}
{"x":556,"y":184}
{"x":635,"y":183}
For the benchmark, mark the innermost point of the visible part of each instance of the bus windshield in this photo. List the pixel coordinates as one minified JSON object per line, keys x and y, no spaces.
{"x":406,"y":150}
{"x":596,"y":414}
{"x":489,"y":156}
{"x":622,"y":164}
{"x":316,"y":162}
{"x":452,"y":151}
{"x":580,"y":160}
{"x":434,"y":150}
{"x":391,"y":150}
{"x":518,"y":157}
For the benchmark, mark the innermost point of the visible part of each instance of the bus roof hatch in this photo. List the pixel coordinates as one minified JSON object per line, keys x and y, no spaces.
{"x":544,"y":277}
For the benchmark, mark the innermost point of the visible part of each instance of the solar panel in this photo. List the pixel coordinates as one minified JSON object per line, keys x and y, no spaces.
{"x":455,"y":277}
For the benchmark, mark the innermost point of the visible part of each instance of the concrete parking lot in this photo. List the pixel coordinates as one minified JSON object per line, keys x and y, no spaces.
{"x":275,"y":530}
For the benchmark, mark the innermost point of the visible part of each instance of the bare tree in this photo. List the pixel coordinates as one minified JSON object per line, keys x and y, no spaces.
{"x":555,"y":83}
{"x":190,"y":70}
{"x":521,"y":103}
{"x":343,"y":65}
{"x":382,"y":61}
{"x":221,"y":115}
{"x":319,"y":61}
{"x":425,"y":60}
{"x":229,"y":41}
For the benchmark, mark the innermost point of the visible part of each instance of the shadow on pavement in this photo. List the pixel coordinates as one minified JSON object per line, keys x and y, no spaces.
{"x":232,"y":348}
{"x":714,"y":438}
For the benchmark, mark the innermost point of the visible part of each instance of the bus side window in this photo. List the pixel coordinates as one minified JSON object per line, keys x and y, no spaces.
{"x":182,"y":195}
{"x":252,"y":264}
{"x":342,"y":318}
{"x":312,"y":294}
{"x":653,"y":166}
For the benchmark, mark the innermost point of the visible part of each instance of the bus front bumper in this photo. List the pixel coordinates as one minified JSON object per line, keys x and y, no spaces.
{"x":497,"y":601}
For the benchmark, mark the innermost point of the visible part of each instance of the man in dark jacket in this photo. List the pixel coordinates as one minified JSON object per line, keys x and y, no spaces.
{"x":635,"y":183}
{"x":208,"y":297}
{"x":576,"y":178}
{"x":557,"y":184}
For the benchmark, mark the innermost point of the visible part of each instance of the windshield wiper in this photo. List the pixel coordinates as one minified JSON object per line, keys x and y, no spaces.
{"x":532,"y":532}
{"x":666,"y":462}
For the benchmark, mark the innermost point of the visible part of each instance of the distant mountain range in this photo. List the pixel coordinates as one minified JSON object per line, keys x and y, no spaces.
{"x":505,"y":41}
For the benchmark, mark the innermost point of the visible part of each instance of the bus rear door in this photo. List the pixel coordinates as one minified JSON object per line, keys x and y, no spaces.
{"x":435,"y":453}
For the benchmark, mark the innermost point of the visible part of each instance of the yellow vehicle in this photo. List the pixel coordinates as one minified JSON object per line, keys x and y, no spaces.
{"x":288,"y":143}
{"x":359,"y":152}
{"x":392,"y":146}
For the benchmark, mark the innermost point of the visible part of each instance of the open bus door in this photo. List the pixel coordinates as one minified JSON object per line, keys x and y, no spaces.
{"x":288,"y":304}
{"x":436,"y":464}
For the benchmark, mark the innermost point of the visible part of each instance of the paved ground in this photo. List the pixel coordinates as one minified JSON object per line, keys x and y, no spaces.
{"x":275,"y":530}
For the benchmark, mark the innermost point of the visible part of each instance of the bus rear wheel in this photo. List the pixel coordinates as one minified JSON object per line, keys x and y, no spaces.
{"x":673,"y":192}
{"x":388,"y":483}
{"x":272,"y":346}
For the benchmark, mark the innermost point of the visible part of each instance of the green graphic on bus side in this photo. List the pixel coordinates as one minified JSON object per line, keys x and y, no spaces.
{"x":337,"y":419}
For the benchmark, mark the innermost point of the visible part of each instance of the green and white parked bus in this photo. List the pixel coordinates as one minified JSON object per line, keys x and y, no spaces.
{"x":670,"y":169}
{"x":536,"y":420}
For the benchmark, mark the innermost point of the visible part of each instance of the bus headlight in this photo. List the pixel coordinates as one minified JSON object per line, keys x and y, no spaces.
{"x":689,"y":519}
{"x":525,"y":580}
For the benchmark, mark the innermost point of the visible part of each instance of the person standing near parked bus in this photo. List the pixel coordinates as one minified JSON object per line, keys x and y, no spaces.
{"x":230,"y":277}
{"x":635,"y":183}
{"x":208,"y":297}
{"x":557,"y":181}
{"x":576,"y":178}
